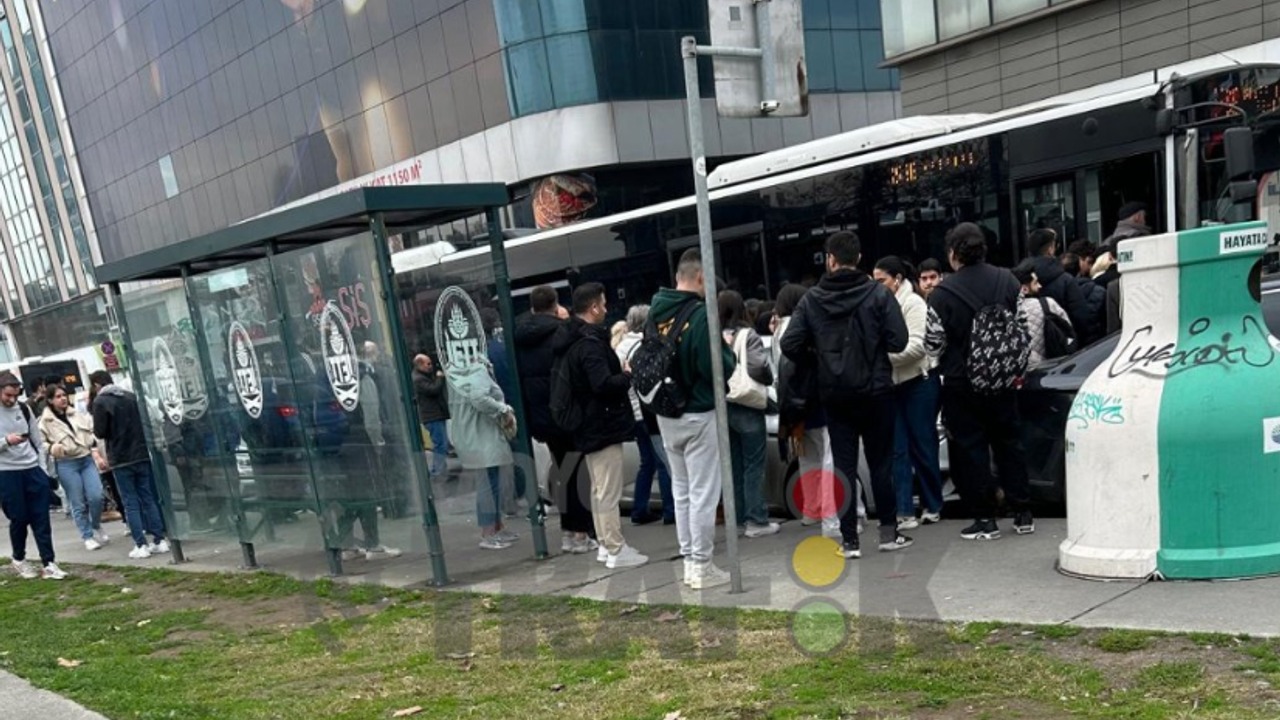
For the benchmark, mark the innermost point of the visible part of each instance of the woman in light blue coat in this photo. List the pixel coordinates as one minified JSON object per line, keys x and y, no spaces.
{"x":482,"y":422}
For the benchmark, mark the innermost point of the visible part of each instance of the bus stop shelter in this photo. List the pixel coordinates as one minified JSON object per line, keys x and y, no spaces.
{"x":274,"y":376}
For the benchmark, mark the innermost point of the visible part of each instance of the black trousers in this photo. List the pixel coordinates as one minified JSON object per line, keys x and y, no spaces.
{"x":978,"y":426}
{"x":571,"y":485}
{"x":868,"y":420}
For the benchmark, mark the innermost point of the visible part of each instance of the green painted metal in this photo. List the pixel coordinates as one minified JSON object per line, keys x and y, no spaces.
{"x":402,"y":361}
{"x":315,"y":222}
{"x":1219,"y":469}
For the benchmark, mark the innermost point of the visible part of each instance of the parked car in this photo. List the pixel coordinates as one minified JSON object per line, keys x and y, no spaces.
{"x":1045,"y":402}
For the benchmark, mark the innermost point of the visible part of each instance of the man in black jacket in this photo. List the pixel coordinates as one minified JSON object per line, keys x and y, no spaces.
{"x":845,"y":329}
{"x":977,"y":424}
{"x":118,"y":422}
{"x":535,"y":332}
{"x":1055,"y":283}
{"x":601,"y":390}
{"x":433,"y":410}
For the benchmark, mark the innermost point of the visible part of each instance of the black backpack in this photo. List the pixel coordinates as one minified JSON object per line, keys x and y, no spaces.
{"x":655,"y":371}
{"x":1059,"y":335}
{"x":999,"y":345}
{"x":566,"y":412}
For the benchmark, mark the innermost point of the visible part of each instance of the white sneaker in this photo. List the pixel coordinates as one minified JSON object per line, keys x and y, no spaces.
{"x":507,"y":536}
{"x":626,"y":557}
{"x":92,"y":544}
{"x":708,"y":576}
{"x":491,"y":542}
{"x":690,"y":568}
{"x":380,"y":552}
{"x":583,"y":546}
{"x":53,"y":572}
{"x":807,"y":521}
{"x":567,"y":544}
{"x":25,"y":570}
{"x":908,"y":523}
{"x":602,"y":555}
{"x":831,"y":528}
{"x":757,"y":531}
{"x":929,"y":518}
{"x":102,"y":537}
{"x":159,"y":548}
{"x":352,"y":554}
{"x":141,"y":552}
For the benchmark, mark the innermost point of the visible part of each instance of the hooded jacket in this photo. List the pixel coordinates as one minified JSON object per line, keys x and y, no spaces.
{"x":599,"y":385}
{"x":534,"y":334}
{"x":913,"y":362}
{"x":847,"y":310}
{"x":477,"y":406}
{"x":117,"y":421}
{"x":989,"y":285}
{"x":1125,"y":230}
{"x":433,"y":401}
{"x":693,"y":348}
{"x":1095,"y":298}
{"x":1060,"y":287}
{"x":68,"y":439}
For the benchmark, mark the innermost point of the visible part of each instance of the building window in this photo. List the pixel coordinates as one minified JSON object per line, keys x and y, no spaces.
{"x":957,"y":17}
{"x":1004,"y":9}
{"x":908,"y":25}
{"x":168,"y":177}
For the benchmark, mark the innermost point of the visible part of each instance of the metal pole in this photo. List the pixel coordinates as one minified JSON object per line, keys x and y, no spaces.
{"x":502,"y":283}
{"x":689,"y":49}
{"x":401,"y":359}
{"x":768,"y":61}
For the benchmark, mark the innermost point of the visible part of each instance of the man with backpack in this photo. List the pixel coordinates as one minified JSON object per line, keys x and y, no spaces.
{"x":1057,"y":285}
{"x":983,"y":349}
{"x":591,"y":401}
{"x":672,"y":374}
{"x":24,"y":486}
{"x":845,"y":329}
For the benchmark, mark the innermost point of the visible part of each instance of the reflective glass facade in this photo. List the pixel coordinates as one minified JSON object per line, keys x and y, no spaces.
{"x":916,"y":24}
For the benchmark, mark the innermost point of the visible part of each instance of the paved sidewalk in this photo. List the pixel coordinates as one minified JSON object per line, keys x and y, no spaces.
{"x":19,"y":700}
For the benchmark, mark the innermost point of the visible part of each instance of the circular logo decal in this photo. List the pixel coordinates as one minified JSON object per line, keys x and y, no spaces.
{"x":460,"y":338}
{"x":340,"y":357}
{"x":244,"y":368}
{"x":168,"y":388}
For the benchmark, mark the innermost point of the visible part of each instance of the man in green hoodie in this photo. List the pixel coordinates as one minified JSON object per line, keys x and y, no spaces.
{"x":690,"y":440}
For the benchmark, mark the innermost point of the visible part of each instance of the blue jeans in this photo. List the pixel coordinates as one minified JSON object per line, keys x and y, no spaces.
{"x":653,"y":458}
{"x":439,"y":432}
{"x":24,"y":495}
{"x":141,"y":508}
{"x":489,"y":496}
{"x":83,"y":485}
{"x":915,"y":445}
{"x":747,"y":439}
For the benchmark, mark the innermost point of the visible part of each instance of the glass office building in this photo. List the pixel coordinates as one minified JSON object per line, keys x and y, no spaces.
{"x":194,"y":116}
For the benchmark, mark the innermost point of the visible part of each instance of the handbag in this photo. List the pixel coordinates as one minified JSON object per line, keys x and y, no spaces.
{"x":742,"y":389}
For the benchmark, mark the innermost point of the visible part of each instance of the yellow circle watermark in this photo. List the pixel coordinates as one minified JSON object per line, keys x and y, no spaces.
{"x":816,"y":563}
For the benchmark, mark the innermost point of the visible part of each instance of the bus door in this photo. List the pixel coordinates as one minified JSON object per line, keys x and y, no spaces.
{"x":740,"y":259}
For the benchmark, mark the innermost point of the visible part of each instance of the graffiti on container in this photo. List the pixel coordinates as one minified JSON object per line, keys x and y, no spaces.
{"x":1251,"y":347}
{"x":1092,"y":407}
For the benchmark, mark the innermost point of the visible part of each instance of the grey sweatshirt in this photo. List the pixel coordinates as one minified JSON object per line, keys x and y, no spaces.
{"x":21,"y":456}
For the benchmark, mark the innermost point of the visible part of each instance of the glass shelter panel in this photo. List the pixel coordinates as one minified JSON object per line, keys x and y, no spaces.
{"x":341,"y":359}
{"x":187,"y":422}
{"x":261,"y":416}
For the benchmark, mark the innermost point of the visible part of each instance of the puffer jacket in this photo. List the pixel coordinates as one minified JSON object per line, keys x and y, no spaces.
{"x":913,"y":362}
{"x":477,"y":407}
{"x":626,"y":346}
{"x":1031,"y":312}
{"x":69,"y":439}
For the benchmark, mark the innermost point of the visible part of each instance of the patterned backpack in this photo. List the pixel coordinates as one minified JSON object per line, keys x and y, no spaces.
{"x":999,"y":345}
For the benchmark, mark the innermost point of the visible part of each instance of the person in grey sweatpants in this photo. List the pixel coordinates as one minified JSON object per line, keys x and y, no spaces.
{"x":690,"y":440}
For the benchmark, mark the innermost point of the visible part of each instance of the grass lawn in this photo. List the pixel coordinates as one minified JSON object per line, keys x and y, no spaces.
{"x":165,"y":644}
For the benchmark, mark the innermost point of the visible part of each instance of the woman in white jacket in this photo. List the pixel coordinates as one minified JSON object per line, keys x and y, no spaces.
{"x":69,"y":441}
{"x":915,"y":447}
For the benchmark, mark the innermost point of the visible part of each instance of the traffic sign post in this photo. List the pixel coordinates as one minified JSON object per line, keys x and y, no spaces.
{"x":745,"y":93}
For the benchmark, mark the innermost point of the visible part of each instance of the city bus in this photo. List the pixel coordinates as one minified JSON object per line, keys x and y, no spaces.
{"x":1067,"y":163}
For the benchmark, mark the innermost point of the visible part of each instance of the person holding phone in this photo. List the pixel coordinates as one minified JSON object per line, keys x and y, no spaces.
{"x":24,"y":486}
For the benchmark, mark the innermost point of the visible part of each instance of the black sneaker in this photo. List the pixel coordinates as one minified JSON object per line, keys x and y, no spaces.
{"x":898,"y":542}
{"x":850,"y":550}
{"x":1023,"y":523}
{"x":981,"y":530}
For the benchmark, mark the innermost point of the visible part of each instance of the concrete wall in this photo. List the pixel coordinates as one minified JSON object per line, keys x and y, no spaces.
{"x":1087,"y":45}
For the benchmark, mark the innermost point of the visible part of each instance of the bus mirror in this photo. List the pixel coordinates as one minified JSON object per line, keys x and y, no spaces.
{"x":1243,"y":191}
{"x":1237,"y":144}
{"x":1166,"y":118}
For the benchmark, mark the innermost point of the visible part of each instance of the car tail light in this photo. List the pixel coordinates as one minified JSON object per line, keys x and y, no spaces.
{"x":288,"y":411}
